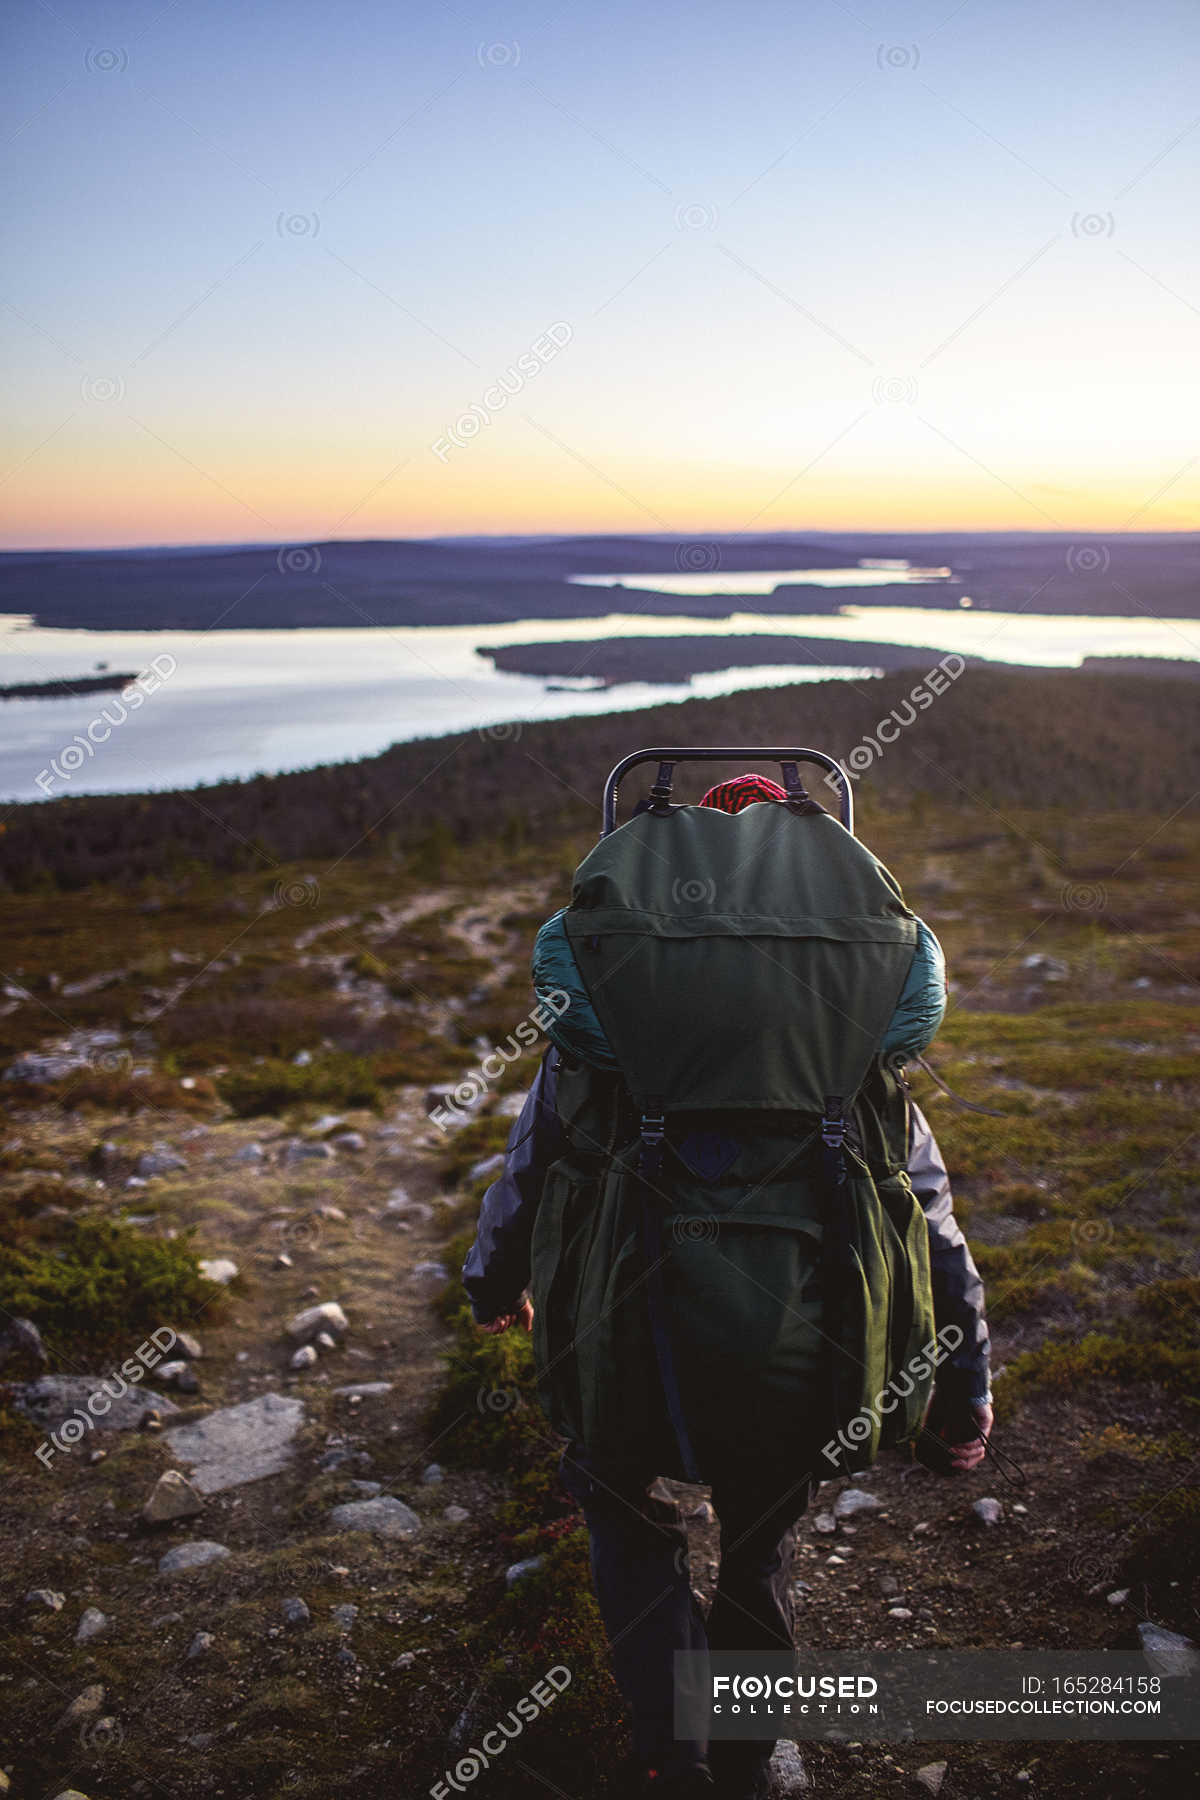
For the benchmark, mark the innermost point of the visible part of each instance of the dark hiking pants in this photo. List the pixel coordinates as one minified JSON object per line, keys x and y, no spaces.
{"x":644,"y":1588}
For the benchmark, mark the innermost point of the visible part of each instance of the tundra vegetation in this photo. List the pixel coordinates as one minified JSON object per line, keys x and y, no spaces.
{"x":225,"y":1019}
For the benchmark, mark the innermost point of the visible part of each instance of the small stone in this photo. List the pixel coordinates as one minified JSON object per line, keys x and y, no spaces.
{"x":74,"y":1793}
{"x":172,"y":1497}
{"x":344,"y":1615}
{"x":1168,"y":1652}
{"x":899,"y":1612}
{"x":702,"y":1513}
{"x":304,"y":1357}
{"x":295,"y":1610}
{"x":825,"y":1522}
{"x":284,"y":1261}
{"x":161,"y":1160}
{"x":331,"y":1212}
{"x":47,"y":1597}
{"x":788,"y":1775}
{"x":84,"y":1706}
{"x":180,"y":1374}
{"x":97,"y":1456}
{"x":888,"y":1584}
{"x":92,"y":1625}
{"x":352,"y":1141}
{"x":328,"y":1316}
{"x":202,"y":1641}
{"x":430,"y":1271}
{"x":220,"y":1269}
{"x":932,"y":1776}
{"x":854,"y":1501}
{"x":324,"y":1341}
{"x":250,"y":1153}
{"x":1118,"y":1597}
{"x":835,"y":1561}
{"x":385,"y":1517}
{"x":367,"y":1388}
{"x":456,"y":1515}
{"x":299,"y":1150}
{"x":990,"y":1512}
{"x":432,"y":1474}
{"x":194,"y":1555}
{"x":1018,"y":1507}
{"x":367,"y":1489}
{"x":188,"y":1346}
{"x":517,"y":1571}
{"x":405,"y":1660}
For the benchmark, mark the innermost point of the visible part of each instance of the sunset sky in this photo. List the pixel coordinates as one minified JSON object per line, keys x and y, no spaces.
{"x":773,"y":266}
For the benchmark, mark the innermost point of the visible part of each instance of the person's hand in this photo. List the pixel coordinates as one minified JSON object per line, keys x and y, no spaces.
{"x":969,"y":1455}
{"x":522,"y":1317}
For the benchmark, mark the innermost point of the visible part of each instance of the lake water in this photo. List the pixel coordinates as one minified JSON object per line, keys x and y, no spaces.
{"x":238,"y":703}
{"x":868,"y":573}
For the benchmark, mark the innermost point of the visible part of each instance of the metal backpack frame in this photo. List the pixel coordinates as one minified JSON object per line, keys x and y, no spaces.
{"x":798,"y":798}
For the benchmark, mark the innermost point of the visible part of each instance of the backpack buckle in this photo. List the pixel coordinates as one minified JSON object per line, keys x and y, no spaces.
{"x":652,"y":1131}
{"x":833,"y":1124}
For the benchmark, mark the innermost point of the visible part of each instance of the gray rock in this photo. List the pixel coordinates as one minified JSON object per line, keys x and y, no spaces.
{"x":1046,"y":968}
{"x":304,"y":1358}
{"x":162,"y":1160}
{"x":326,"y":1317}
{"x":237,"y":1444}
{"x":22,"y":1337}
{"x":93,"y":1624}
{"x":825,"y":1522}
{"x":350,"y":1140}
{"x":899,"y":1612}
{"x":53,"y":1399}
{"x":1118,"y":1597}
{"x":188,"y":1346}
{"x":172,"y":1497}
{"x":71,"y":1794}
{"x":361,"y":1389}
{"x":303,"y":1150}
{"x":931,"y":1777}
{"x":490,"y":1165}
{"x":250,"y":1153}
{"x":40,"y":1068}
{"x":50,"y":1598}
{"x":405,"y":1660}
{"x":517,"y":1571}
{"x":433,"y":1474}
{"x":854,"y":1501}
{"x":989,"y":1511}
{"x":295,"y":1611}
{"x":1169,"y":1652}
{"x":323,"y":1341}
{"x":302,"y":1059}
{"x":455,"y":1515}
{"x":788,"y":1775}
{"x":84,"y":1706}
{"x":344,"y":1615}
{"x":383,"y":1517}
{"x":430,"y":1271}
{"x":202,"y":1642}
{"x":180,"y":1374}
{"x":220,"y":1269}
{"x":414,"y":1211}
{"x":367,"y":1490}
{"x":194,"y":1555}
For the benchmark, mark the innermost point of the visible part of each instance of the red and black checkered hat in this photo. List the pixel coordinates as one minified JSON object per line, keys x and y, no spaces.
{"x":743,"y":790}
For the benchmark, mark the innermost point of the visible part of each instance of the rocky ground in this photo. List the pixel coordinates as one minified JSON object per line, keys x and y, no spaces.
{"x":265,"y":1576}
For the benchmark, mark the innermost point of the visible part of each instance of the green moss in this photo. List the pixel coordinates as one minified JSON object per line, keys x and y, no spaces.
{"x":103,"y":1288}
{"x":335,"y":1079}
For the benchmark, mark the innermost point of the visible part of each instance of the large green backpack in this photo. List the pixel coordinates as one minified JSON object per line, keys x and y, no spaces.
{"x":728,"y":1259}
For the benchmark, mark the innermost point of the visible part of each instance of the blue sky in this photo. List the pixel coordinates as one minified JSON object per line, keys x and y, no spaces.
{"x":827,"y":266}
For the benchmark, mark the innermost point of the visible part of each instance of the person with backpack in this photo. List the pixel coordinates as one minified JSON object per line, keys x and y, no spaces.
{"x":737,"y":1226}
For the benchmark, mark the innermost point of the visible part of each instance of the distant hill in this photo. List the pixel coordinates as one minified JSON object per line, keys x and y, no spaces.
{"x":477,"y":581}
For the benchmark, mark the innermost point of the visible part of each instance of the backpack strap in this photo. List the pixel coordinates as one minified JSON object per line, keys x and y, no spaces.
{"x":652,"y":1132}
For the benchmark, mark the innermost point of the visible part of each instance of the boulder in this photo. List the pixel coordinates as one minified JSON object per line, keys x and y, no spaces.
{"x":197,"y":1554}
{"x":53,"y":1399}
{"x":237,"y":1444}
{"x":1169,"y":1652}
{"x":384,"y":1517}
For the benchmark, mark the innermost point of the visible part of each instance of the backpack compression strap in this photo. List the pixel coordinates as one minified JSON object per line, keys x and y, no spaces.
{"x":649,"y":1163}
